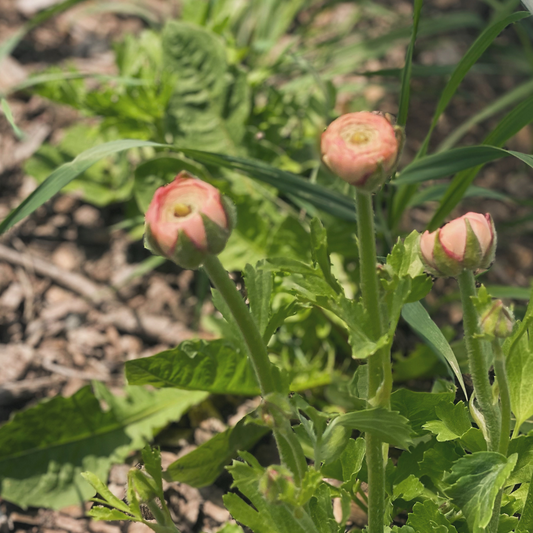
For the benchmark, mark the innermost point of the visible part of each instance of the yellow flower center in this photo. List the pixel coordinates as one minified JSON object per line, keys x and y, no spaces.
{"x":182,"y":210}
{"x":360,"y":137}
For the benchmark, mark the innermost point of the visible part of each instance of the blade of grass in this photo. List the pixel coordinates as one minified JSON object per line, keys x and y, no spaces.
{"x":9,"y":116}
{"x":11,"y":43}
{"x":500,"y":104}
{"x":469,"y":59}
{"x":404,"y":195}
{"x":286,"y":182}
{"x":407,"y":70}
{"x":65,"y":174}
{"x":511,"y":124}
{"x":289,"y":183}
{"x":455,"y":160}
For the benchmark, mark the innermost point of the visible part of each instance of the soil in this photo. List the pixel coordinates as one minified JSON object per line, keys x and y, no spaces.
{"x":70,"y":312}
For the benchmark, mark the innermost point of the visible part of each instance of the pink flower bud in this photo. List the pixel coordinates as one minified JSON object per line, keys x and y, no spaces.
{"x":187,"y":220}
{"x":362,"y":148}
{"x":468,"y":242}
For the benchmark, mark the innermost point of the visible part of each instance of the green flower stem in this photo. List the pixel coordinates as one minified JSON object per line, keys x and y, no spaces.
{"x":254,"y":342}
{"x":505,"y":396}
{"x":378,"y":368}
{"x":477,"y":360}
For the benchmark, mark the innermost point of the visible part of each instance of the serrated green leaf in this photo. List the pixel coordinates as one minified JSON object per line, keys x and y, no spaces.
{"x":202,"y":466}
{"x":104,"y":513}
{"x":418,"y":318}
{"x":44,"y":449}
{"x":389,"y":426}
{"x":476,"y":480}
{"x":522,"y":446}
{"x":418,"y":407}
{"x":438,"y":459}
{"x":259,"y":286}
{"x":426,"y":518}
{"x":453,"y":422}
{"x":212,"y":366}
{"x":408,"y":489}
{"x":520,"y":376}
{"x":319,"y":249}
{"x":231,"y":528}
{"x":348,"y":465}
{"x":104,"y":492}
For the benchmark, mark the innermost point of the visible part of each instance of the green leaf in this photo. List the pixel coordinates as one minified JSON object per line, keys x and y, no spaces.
{"x":211,"y":102}
{"x":476,"y":480}
{"x":426,"y":517}
{"x":231,"y":528}
{"x":44,"y":449}
{"x":453,"y":422}
{"x":522,"y":446}
{"x":259,"y":286}
{"x":408,"y":489}
{"x":202,"y":466}
{"x":446,"y":163}
{"x":9,"y":116}
{"x":278,"y":517}
{"x":438,"y":459}
{"x":287,"y":182}
{"x":98,"y":512}
{"x":418,"y":318}
{"x":348,"y":465}
{"x":468,"y":60}
{"x":104,"y":492}
{"x":319,"y":243}
{"x":389,"y":426}
{"x":407,"y":69}
{"x":212,"y":366}
{"x":520,"y":376}
{"x":65,"y":174}
{"x":418,"y":407}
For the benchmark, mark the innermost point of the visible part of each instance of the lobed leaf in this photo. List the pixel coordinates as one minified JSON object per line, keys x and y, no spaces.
{"x":44,"y":449}
{"x":211,"y":366}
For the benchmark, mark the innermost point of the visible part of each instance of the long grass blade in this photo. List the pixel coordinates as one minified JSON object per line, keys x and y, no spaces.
{"x":407,"y":70}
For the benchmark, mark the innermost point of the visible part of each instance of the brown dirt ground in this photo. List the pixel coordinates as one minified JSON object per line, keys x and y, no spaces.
{"x":61,"y":326}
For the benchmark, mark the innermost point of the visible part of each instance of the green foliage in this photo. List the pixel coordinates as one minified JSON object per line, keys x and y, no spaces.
{"x":44,"y":448}
{"x":475,"y":481}
{"x":211,"y":366}
{"x":203,"y":465}
{"x":426,"y":517}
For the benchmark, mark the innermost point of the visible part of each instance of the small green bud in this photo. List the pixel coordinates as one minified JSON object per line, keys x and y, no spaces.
{"x":497,"y":321}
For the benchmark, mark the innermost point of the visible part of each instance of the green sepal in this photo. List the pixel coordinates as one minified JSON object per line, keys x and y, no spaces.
{"x":446,"y":265}
{"x":216,"y":236}
{"x":150,"y":243}
{"x":186,"y":254}
{"x":231,"y":212}
{"x":488,"y":259}
{"x":373,"y":182}
{"x":473,"y":254}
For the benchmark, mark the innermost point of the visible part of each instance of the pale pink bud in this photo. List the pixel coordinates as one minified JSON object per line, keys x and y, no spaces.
{"x":362,"y":148}
{"x":187,"y":220}
{"x":468,"y":242}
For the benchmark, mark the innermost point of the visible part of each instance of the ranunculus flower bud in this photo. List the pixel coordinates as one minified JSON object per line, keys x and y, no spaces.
{"x":362,"y":148}
{"x":497,"y":321}
{"x":468,"y":242}
{"x":187,"y":220}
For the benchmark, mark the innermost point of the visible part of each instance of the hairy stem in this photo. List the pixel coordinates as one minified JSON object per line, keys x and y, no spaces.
{"x":477,"y":360}
{"x":377,"y":366}
{"x":254,"y":342}
{"x":505,"y":397}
